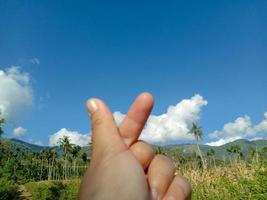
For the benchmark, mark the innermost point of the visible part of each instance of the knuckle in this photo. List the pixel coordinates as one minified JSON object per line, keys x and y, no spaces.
{"x":97,"y":121}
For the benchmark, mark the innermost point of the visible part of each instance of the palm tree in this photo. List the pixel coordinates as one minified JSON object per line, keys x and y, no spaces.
{"x":51,"y":158}
{"x":211,"y":154}
{"x":254,"y":153}
{"x":198,"y":134}
{"x":67,"y":146}
{"x":42,"y":156}
{"x":2,"y":122}
{"x":159,"y":150}
{"x":234,"y":150}
{"x":84,"y":158}
{"x":237,"y":151}
{"x":75,"y":153}
{"x":230,"y":152}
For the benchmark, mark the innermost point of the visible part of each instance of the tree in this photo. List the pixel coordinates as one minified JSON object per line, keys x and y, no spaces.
{"x":198,"y":134}
{"x":51,"y":159}
{"x":211,"y":154}
{"x":159,"y":150}
{"x":67,"y":146}
{"x":84,"y":157}
{"x":75,"y":153}
{"x":234,"y":150}
{"x":254,"y":153}
{"x":230,"y":151}
{"x":2,"y":122}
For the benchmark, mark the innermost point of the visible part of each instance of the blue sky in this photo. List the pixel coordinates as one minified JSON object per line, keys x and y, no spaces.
{"x":116,"y":49}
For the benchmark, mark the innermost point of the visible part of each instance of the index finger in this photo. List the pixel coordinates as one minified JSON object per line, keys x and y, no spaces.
{"x":133,"y":123}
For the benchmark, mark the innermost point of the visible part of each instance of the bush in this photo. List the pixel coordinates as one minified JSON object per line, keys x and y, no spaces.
{"x":71,"y":190}
{"x":53,"y":190}
{"x":45,"y":190}
{"x":8,"y":189}
{"x":240,"y":182}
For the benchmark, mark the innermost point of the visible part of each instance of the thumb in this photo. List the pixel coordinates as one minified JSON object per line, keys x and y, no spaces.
{"x":105,"y":135}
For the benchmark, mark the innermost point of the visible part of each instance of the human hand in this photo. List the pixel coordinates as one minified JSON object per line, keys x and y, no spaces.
{"x":123,"y":167}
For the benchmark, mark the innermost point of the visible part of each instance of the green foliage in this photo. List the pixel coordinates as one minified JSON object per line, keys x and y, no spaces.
{"x":2,"y":122}
{"x":234,"y":186}
{"x":8,"y":189}
{"x":196,"y":131}
{"x":21,"y":166}
{"x":71,"y":190}
{"x":50,"y":190}
{"x":45,"y":190}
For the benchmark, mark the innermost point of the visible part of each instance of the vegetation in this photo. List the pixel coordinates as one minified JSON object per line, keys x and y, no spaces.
{"x":198,"y":134}
{"x":238,"y":181}
{"x":2,"y":122}
{"x":237,"y":170}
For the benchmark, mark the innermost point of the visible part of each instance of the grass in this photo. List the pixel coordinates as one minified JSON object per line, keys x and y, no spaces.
{"x":240,"y":181}
{"x":51,"y":190}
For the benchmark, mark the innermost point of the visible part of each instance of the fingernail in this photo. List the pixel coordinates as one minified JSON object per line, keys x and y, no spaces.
{"x":154,"y":194}
{"x":92,"y":105}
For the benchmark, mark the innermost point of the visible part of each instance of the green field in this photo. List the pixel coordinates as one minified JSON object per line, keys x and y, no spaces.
{"x":237,"y":170}
{"x":239,"y":181}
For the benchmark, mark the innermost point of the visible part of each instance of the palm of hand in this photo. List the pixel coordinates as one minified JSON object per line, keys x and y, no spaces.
{"x":123,"y":167}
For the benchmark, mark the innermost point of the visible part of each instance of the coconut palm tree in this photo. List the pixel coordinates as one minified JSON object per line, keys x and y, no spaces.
{"x":254,"y":153}
{"x":51,"y":159}
{"x":198,"y":134}
{"x":235,"y":151}
{"x":42,"y":156}
{"x":230,"y":152}
{"x":67,"y":146}
{"x":211,"y":154}
{"x":2,"y":122}
{"x":75,"y":153}
{"x":159,"y":150}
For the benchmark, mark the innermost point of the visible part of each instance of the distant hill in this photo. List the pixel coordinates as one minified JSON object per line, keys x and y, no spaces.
{"x":33,"y":147}
{"x":183,"y":148}
{"x":16,"y":143}
{"x":219,"y":150}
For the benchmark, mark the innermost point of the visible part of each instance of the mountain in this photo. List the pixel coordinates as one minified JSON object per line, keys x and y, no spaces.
{"x":27,"y":145}
{"x":185,"y":149}
{"x":14,"y":143}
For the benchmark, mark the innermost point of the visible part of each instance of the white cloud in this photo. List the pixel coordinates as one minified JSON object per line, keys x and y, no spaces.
{"x":174,"y":125}
{"x":242,"y":127}
{"x":257,"y":138}
{"x":38,"y":142}
{"x":19,"y":132}
{"x":35,"y":61}
{"x":16,"y":96}
{"x":222,"y":141}
{"x":75,"y":137}
{"x":262,"y":126}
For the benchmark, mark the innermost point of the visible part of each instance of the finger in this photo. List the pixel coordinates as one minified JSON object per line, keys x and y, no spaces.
{"x":160,"y":175}
{"x":143,"y":153}
{"x":135,"y":120}
{"x":179,"y":189}
{"x":105,"y":134}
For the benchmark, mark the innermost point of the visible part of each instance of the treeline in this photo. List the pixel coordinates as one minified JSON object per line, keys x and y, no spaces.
{"x":23,"y":165}
{"x":231,"y":155}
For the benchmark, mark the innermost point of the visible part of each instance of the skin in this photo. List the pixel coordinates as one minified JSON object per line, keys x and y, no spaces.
{"x":123,"y":167}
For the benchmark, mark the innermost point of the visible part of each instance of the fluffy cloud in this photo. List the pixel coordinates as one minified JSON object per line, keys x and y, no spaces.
{"x":38,"y":142}
{"x":242,"y":127}
{"x":75,"y":137}
{"x":174,"y":125}
{"x":19,"y":132}
{"x":16,"y":96}
{"x":223,"y":141}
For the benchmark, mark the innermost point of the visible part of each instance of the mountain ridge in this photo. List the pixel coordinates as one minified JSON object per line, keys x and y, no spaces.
{"x":187,"y":148}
